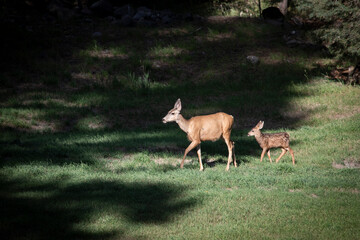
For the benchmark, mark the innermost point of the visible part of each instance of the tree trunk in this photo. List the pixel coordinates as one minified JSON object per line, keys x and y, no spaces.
{"x":284,"y":6}
{"x":259,"y":4}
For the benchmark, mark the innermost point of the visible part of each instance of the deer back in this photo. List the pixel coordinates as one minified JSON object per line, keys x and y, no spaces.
{"x":210,"y":127}
{"x":274,"y":140}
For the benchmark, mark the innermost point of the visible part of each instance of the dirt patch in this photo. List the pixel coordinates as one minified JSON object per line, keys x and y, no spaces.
{"x":343,"y":190}
{"x":347,"y":163}
{"x":107,"y":54}
{"x":231,"y":188}
{"x":350,"y":112}
{"x":313,"y":195}
{"x":41,"y":126}
{"x":172,"y":162}
{"x":294,"y":190}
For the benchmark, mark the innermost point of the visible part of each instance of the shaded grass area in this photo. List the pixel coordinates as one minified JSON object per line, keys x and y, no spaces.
{"x":65,"y":206}
{"x":84,"y":154}
{"x":116,"y":81}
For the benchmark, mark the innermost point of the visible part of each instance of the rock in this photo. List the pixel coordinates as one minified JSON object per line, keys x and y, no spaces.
{"x":102,"y":8}
{"x":96,"y":34}
{"x":273,"y":16}
{"x":124,"y":10}
{"x":253,"y":60}
{"x":272,"y":13}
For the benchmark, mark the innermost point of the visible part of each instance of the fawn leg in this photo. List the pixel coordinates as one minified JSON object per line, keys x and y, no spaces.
{"x":268,"y":153}
{"x":262,"y":154}
{"x":283,"y":151}
{"x":292,"y":155}
{"x":199,"y":155}
{"x":187,"y":150}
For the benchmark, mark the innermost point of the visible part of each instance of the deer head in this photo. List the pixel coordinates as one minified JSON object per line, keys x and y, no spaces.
{"x":174,"y":113}
{"x":256,"y":129}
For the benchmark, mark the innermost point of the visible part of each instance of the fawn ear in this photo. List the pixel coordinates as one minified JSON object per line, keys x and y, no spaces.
{"x":261,"y":124}
{"x":178,"y":105}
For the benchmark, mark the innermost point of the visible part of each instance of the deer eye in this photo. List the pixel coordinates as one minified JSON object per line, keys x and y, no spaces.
{"x":172,"y":113}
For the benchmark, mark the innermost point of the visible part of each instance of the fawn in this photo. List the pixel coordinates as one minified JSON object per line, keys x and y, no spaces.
{"x":204,"y":128}
{"x":272,"y":140}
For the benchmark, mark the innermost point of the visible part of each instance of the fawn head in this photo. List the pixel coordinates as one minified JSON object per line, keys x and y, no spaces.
{"x":256,"y":129}
{"x":173,"y":114}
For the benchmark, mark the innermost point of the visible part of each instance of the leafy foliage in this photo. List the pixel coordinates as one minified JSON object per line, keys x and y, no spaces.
{"x":337,"y":25}
{"x":229,"y":7}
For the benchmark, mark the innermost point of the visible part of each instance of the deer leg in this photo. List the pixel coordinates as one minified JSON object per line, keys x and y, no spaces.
{"x":187,"y":150}
{"x":292,"y":155}
{"x":199,"y":155}
{"x":283,"y":151}
{"x":230,"y":148}
{"x":233,"y":152}
{"x":268,"y":153}
{"x":262,"y":154}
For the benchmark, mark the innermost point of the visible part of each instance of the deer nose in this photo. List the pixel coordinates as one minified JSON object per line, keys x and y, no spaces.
{"x":163,"y":120}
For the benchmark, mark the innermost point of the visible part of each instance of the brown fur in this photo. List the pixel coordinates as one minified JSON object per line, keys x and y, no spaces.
{"x":272,"y":140}
{"x":203,"y":128}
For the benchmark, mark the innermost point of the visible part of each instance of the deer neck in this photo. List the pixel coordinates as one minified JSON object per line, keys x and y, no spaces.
{"x":183,"y":123}
{"x":259,"y":137}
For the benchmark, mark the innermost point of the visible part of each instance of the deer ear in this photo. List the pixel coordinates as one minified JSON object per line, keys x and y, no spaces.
{"x":178,"y":104}
{"x":258,"y":124}
{"x":261,"y":124}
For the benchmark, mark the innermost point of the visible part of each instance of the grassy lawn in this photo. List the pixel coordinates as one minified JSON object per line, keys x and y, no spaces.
{"x":84,"y":154}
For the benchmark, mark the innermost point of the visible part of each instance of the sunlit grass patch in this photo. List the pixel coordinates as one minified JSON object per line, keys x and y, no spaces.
{"x":92,"y":122}
{"x":96,"y":50}
{"x":25,"y":118}
{"x":165,"y":51}
{"x":214,"y":34}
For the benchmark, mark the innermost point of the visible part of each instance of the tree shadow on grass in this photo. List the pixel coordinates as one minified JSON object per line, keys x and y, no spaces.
{"x":90,"y":147}
{"x":210,"y":74}
{"x":49,"y":211}
{"x":209,"y":69}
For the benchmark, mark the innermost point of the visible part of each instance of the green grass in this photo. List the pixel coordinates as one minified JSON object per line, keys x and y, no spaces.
{"x":84,"y":154}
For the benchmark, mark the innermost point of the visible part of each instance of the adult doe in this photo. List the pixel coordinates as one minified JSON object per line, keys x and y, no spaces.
{"x":203,"y":128}
{"x":272,"y":140}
